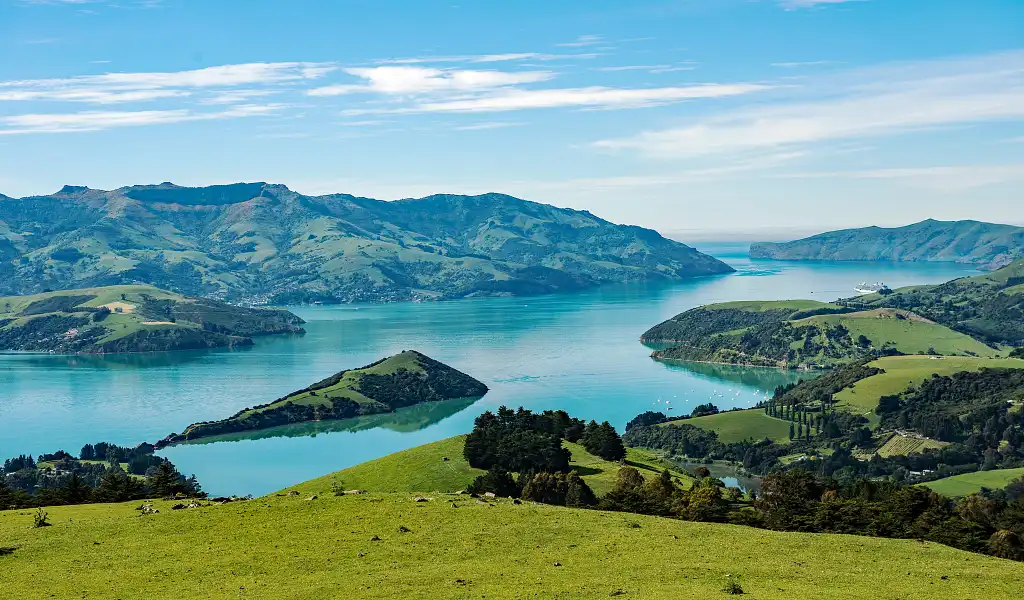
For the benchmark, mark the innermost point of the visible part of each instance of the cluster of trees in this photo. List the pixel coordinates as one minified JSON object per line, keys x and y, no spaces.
{"x":75,"y":483}
{"x":97,"y":475}
{"x":796,"y":500}
{"x":530,"y":444}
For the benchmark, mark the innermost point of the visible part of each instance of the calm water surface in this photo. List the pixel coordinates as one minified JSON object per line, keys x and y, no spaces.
{"x":578,"y":352}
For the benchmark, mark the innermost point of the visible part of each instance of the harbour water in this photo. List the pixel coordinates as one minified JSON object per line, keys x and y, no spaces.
{"x":578,"y":352}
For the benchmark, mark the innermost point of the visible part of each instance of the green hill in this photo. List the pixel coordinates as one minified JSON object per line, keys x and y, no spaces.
{"x":973,"y":242}
{"x":440,"y":467}
{"x":969,"y":483}
{"x":803,"y":333}
{"x":131,"y":318}
{"x":286,"y":546}
{"x":264,"y":243}
{"x":900,"y":372}
{"x":405,"y":379}
{"x":738,"y":425}
{"x":989,"y":307}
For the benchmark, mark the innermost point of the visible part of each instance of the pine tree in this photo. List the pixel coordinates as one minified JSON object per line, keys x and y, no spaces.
{"x":164,"y":480}
{"x":791,"y":431}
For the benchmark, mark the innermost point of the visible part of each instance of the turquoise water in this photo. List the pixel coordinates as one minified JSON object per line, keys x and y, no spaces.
{"x":578,"y":352}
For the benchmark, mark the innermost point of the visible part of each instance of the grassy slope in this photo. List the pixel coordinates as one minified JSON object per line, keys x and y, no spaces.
{"x":763,"y":305}
{"x":910,"y":336}
{"x":423,"y":469}
{"x":968,"y":483}
{"x":291,"y":547}
{"x":736,"y":426}
{"x":901,"y":371}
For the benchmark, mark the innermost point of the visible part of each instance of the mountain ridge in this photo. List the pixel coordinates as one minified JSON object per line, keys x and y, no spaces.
{"x":260,"y":243}
{"x":988,"y":245}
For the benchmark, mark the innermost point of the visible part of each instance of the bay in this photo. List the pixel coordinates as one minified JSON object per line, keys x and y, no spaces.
{"x":578,"y":352}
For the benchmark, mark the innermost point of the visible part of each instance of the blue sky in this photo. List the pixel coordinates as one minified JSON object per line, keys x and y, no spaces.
{"x":692,"y":116}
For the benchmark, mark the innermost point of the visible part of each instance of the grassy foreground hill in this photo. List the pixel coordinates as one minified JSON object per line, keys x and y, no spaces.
{"x":803,"y":333}
{"x":268,"y":244}
{"x":131,"y":318}
{"x":398,"y":381}
{"x":451,"y":546}
{"x":984,"y":244}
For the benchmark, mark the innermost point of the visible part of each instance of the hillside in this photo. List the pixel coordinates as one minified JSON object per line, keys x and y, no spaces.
{"x":131,"y":318}
{"x":440,"y":467}
{"x":738,"y":425}
{"x":263,"y":243}
{"x":987,"y":245}
{"x":804,"y":334}
{"x":293,"y":547}
{"x":405,"y":379}
{"x":970,"y":483}
{"x":989,"y":307}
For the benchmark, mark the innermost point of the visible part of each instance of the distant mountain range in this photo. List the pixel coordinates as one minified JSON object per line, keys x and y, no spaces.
{"x":987,"y":245}
{"x":262,"y":243}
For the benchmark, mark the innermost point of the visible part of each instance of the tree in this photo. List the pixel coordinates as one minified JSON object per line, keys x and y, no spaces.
{"x":165,"y":480}
{"x":496,"y":481}
{"x":73,"y":490}
{"x":603,"y":441}
{"x":118,"y":486}
{"x":792,"y":432}
{"x":88,"y":452}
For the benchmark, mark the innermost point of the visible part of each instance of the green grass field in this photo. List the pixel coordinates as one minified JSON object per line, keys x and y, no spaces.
{"x":911,"y":335}
{"x":424,"y":469}
{"x":300,"y":549}
{"x":901,"y":371}
{"x":736,"y":426}
{"x":968,"y":483}
{"x":763,"y":305}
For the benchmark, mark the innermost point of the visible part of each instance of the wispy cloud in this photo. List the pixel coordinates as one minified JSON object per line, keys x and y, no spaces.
{"x":583,"y":41}
{"x":485,"y":58}
{"x":589,"y":97}
{"x":797,"y":4}
{"x":953,"y":178}
{"x":100,"y":120}
{"x":113,"y":88}
{"x":487,"y":125}
{"x":404,"y":80}
{"x":861,"y":104}
{"x":795,"y":65}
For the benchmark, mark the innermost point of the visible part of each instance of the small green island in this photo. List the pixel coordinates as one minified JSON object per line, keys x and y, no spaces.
{"x":405,"y":379}
{"x":131,"y":318}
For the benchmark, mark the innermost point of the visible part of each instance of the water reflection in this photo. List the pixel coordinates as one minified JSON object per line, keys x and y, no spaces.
{"x":404,"y":420}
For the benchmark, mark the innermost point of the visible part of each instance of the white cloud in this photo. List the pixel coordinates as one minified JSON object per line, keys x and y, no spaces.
{"x":862,"y":104}
{"x":100,"y":120}
{"x":950,"y":179}
{"x":583,"y":41}
{"x":797,"y":4}
{"x":113,"y":88}
{"x":794,"y":65}
{"x":485,"y":58}
{"x":589,"y":97}
{"x":487,"y":125}
{"x":407,"y":80}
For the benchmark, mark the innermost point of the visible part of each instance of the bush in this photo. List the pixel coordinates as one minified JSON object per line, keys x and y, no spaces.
{"x":497,"y":481}
{"x":561,"y":489}
{"x":40,"y":519}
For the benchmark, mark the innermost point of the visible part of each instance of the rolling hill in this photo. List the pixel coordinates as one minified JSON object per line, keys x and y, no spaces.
{"x":262,"y":243}
{"x":803,"y":333}
{"x":403,"y":380}
{"x":989,"y":307}
{"x":423,"y":543}
{"x":131,"y":318}
{"x":987,"y":245}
